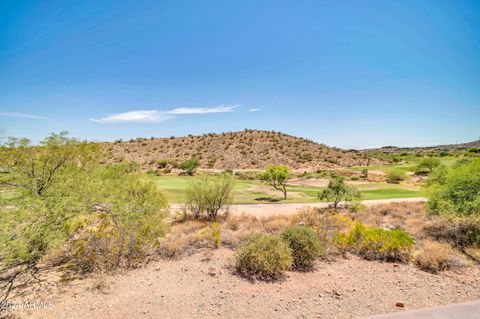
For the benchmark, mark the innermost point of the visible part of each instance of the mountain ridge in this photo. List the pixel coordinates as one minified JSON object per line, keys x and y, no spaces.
{"x":247,"y":149}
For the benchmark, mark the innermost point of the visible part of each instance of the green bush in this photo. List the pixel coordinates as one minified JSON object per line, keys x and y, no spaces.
{"x":263,"y":257}
{"x":76,"y":208}
{"x":355,"y":178}
{"x":305,"y":245}
{"x":377,"y":244}
{"x":395,"y":176}
{"x":162,"y":163}
{"x":427,"y":165}
{"x":365,"y":173}
{"x":189,"y":166}
{"x":458,"y":194}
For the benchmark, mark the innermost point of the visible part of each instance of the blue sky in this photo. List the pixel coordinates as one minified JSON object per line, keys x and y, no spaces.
{"x":345,"y":73}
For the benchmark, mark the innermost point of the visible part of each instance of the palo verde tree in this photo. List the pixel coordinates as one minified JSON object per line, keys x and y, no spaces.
{"x":56,"y":199}
{"x":337,"y":191}
{"x":277,"y":176}
{"x":209,"y":195}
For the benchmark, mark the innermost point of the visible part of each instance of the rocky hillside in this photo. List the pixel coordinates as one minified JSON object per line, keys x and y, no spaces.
{"x":248,"y":149}
{"x":445,"y":147}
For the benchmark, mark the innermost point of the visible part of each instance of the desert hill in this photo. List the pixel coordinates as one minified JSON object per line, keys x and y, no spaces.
{"x":444,"y":147}
{"x":248,"y":149}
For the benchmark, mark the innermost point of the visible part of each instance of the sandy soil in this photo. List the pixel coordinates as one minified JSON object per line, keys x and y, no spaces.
{"x":195,"y":287}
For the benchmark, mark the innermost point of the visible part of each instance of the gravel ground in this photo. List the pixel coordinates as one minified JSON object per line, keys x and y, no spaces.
{"x":200,"y":287}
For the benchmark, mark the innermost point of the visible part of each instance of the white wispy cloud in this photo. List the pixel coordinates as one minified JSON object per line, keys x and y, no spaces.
{"x":23,"y":115}
{"x":155,"y":116}
{"x":255,"y":109}
{"x":135,"y":116}
{"x":203,"y":110}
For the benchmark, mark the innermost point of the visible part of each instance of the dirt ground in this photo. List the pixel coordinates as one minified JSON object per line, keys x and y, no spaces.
{"x":201,"y":287}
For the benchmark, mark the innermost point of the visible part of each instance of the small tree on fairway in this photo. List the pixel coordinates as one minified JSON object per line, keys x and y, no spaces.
{"x":338,"y":191}
{"x":277,"y":176}
{"x":189,"y":166}
{"x":209,"y":195}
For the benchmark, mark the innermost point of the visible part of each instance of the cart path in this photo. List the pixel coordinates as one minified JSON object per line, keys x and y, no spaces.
{"x":266,"y":210}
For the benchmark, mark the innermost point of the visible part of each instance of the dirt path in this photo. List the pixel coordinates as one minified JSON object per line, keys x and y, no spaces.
{"x":195,"y":287}
{"x":266,"y":210}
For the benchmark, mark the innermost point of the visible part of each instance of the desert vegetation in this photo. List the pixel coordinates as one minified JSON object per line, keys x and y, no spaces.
{"x":61,"y":207}
{"x":209,"y":195}
{"x":64,"y":206}
{"x":337,"y":191}
{"x":277,"y":176}
{"x":248,"y":149}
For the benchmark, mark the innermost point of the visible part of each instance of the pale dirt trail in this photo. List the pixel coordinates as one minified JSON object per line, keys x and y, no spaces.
{"x":267,"y":210}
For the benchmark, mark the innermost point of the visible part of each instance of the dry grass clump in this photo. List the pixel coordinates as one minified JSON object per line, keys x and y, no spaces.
{"x":460,"y":232}
{"x":186,"y":235}
{"x":473,"y":252}
{"x":183,"y":238}
{"x":326,"y":223}
{"x":238,"y":228}
{"x":408,"y":216}
{"x":434,"y":257}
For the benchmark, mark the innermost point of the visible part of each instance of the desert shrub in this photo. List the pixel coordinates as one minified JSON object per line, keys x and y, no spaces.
{"x":215,"y":235}
{"x":395,"y":176}
{"x":209,"y":195}
{"x":355,"y":178}
{"x":338,"y":191}
{"x":153,"y":172}
{"x":438,"y":176}
{"x":427,"y":165}
{"x":248,"y":175}
{"x":305,"y":245}
{"x":326,"y":224}
{"x":189,"y":166}
{"x":162,"y":163}
{"x":460,"y":192}
{"x":434,"y":257}
{"x":377,"y":244}
{"x":263,"y":257}
{"x":80,"y":211}
{"x":365,"y":173}
{"x":460,"y":232}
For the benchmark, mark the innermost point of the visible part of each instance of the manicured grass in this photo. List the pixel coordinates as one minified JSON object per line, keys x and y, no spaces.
{"x":256,"y":192}
{"x":406,"y":167}
{"x":390,"y":193}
